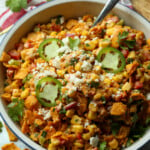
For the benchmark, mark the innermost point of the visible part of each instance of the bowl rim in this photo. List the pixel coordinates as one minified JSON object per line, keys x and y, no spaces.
{"x":21,"y":136}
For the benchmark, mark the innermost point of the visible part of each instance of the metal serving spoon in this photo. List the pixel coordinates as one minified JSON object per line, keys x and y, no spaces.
{"x":107,"y":8}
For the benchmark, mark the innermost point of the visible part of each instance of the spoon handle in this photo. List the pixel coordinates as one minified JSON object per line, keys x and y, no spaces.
{"x":107,"y":8}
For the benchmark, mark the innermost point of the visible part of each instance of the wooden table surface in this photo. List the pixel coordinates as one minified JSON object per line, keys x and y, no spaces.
{"x":143,"y":7}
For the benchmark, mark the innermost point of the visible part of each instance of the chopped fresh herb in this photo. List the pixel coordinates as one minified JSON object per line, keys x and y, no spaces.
{"x":115,"y":128}
{"x":93,"y":84}
{"x":129,"y":142}
{"x":16,"y":109}
{"x":135,"y":118}
{"x":36,"y":29}
{"x":54,"y":109}
{"x":23,"y":88}
{"x":123,"y":35}
{"x":1,"y":126}
{"x":76,"y":120}
{"x":87,"y":52}
{"x":103,"y":99}
{"x":16,"y":5}
{"x":73,"y":61}
{"x":148,"y":67}
{"x":148,"y":121}
{"x":62,"y":111}
{"x":44,"y":133}
{"x":58,"y":19}
{"x":87,"y":45}
{"x":102,"y":145}
{"x":130,"y":43}
{"x":27,"y":78}
{"x":68,"y":99}
{"x":74,"y":43}
{"x":6,"y":84}
{"x":125,"y":44}
{"x":137,"y":131}
{"x":130,"y":60}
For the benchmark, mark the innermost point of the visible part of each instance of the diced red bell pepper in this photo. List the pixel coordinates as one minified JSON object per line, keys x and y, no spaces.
{"x":10,"y":72}
{"x":138,"y":85}
{"x":79,"y":136}
{"x":14,"y":54}
{"x":125,"y":52}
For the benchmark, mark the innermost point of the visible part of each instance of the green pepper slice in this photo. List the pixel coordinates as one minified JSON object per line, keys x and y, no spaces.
{"x":47,"y":89}
{"x":112,"y":60}
{"x":49,"y":47}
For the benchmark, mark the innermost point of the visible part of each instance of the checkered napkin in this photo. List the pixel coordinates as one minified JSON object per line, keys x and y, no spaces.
{"x":8,"y":18}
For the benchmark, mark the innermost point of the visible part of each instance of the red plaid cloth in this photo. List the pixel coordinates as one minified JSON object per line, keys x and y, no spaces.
{"x":8,"y":18}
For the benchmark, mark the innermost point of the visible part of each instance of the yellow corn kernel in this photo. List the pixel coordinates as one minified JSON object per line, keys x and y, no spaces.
{"x":127,"y":86}
{"x":90,"y":45}
{"x":113,"y":144}
{"x":114,"y":42}
{"x":16,"y":92}
{"x":55,"y":141}
{"x":70,"y":113}
{"x":61,"y":72}
{"x":110,"y":25}
{"x":86,"y":136}
{"x":110,"y":31}
{"x":25,"y":64}
{"x":132,"y":54}
{"x":62,"y":33}
{"x":92,"y":128}
{"x":78,"y":30}
{"x":78,"y":66}
{"x":52,"y":147}
{"x":77,"y":128}
{"x":39,"y":122}
{"x":76,"y":120}
{"x":92,"y":115}
{"x":53,"y":33}
{"x":139,"y":35}
{"x":97,"y":96}
{"x":84,"y":33}
{"x":97,"y":69}
{"x":25,"y":93}
{"x":6,"y":96}
{"x":78,"y":144}
{"x":94,"y":76}
{"x":93,"y":107}
{"x":33,"y":93}
{"x":125,"y":74}
{"x":107,"y":81}
{"x":148,"y":42}
{"x":118,"y":77}
{"x":104,"y":43}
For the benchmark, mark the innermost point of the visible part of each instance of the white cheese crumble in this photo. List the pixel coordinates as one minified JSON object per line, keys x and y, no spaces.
{"x":94,"y":141}
{"x":148,"y":96}
{"x":56,"y":62}
{"x":102,"y":77}
{"x":65,"y":41}
{"x":62,"y":20}
{"x":86,"y":66}
{"x":45,"y":113}
{"x":97,"y":63}
{"x":110,"y":75}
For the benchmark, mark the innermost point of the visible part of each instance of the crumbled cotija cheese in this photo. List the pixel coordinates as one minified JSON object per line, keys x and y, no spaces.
{"x":94,"y":141}
{"x":86,"y":66}
{"x":45,"y":113}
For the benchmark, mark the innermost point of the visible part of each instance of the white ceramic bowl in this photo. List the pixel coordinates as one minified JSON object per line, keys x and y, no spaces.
{"x":68,"y":8}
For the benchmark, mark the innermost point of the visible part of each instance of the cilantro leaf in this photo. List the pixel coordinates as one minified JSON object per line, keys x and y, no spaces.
{"x":27,"y":78}
{"x":102,"y":145}
{"x":73,"y":43}
{"x":16,"y":109}
{"x":1,"y":125}
{"x":123,"y":35}
{"x":130,"y":43}
{"x":62,"y":111}
{"x":16,"y":5}
{"x":93,"y":84}
{"x":115,"y":128}
{"x":73,"y":61}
